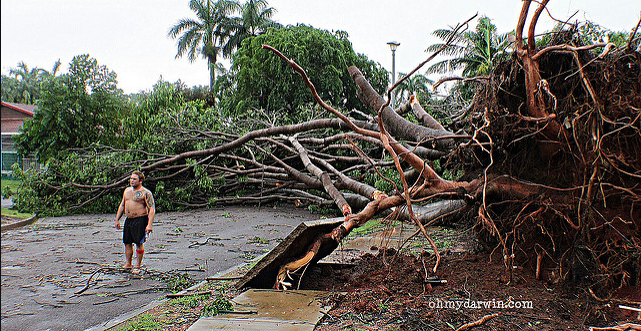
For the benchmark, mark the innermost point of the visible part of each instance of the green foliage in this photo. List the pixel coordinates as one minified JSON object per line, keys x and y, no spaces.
{"x":589,"y":33}
{"x":179,"y":282}
{"x":13,"y":92}
{"x":446,"y":173}
{"x":24,"y":85}
{"x":417,"y":85}
{"x":150,"y":129}
{"x":474,"y":52}
{"x":75,"y":110}
{"x":259,"y":240}
{"x":164,"y":98}
{"x":9,"y":187}
{"x":255,"y":19}
{"x":8,"y":212}
{"x":592,"y":33}
{"x":213,"y":308}
{"x":373,"y":226}
{"x":372,"y":178}
{"x":190,"y":301}
{"x":144,"y":322}
{"x":267,"y":82}
{"x":323,"y":210}
{"x":205,"y":35}
{"x":194,"y":93}
{"x":383,"y":184}
{"x":41,"y":192}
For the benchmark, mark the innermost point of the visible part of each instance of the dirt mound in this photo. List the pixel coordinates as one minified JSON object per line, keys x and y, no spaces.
{"x":388,"y":291}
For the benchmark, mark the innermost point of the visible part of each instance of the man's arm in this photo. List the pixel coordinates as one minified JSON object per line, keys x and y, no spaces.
{"x":151,"y":209}
{"x":121,"y":210}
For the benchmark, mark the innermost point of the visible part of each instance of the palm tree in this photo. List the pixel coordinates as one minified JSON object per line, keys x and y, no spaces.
{"x":475,"y":52}
{"x":25,"y":74}
{"x":54,"y":70}
{"x":255,"y":19}
{"x":416,"y":85}
{"x":207,"y":34}
{"x":28,"y":82}
{"x":25,"y":83}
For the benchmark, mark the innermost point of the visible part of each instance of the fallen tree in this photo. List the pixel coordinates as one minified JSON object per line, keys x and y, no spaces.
{"x":550,"y":151}
{"x":565,"y":244}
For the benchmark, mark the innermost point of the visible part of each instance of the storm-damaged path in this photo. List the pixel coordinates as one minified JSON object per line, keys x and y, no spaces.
{"x":41,"y":272}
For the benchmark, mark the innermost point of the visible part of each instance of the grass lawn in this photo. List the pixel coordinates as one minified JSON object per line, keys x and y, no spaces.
{"x":14,"y":214}
{"x":9,"y":185}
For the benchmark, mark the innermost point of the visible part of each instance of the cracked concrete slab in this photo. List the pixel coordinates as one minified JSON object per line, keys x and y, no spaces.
{"x":272,"y":310}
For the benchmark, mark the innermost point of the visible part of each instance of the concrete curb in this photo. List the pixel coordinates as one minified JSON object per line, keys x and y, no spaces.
{"x":19,"y":224}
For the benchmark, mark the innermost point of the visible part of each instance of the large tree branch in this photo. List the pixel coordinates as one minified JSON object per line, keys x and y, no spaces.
{"x":288,"y":129}
{"x":396,"y":124}
{"x":323,"y":176}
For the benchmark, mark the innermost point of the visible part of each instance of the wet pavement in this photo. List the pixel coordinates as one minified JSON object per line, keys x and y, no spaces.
{"x":270,"y":310}
{"x":45,"y":264}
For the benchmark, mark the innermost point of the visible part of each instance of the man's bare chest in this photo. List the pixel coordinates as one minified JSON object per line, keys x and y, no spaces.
{"x":137,"y":197}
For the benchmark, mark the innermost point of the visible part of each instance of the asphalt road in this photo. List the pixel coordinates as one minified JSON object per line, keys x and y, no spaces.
{"x":44,"y":264}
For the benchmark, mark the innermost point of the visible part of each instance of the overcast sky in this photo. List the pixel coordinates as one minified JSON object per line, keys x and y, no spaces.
{"x":130,"y":36}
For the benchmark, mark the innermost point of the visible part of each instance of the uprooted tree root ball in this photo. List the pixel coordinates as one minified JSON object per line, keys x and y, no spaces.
{"x":587,"y":227}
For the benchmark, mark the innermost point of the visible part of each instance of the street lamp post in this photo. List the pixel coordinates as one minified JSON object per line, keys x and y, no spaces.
{"x":393,"y":45}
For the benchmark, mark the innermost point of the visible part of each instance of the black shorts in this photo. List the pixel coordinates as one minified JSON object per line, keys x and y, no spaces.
{"x":134,"y":230}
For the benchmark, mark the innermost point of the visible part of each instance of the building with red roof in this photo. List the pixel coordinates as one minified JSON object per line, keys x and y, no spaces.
{"x":13,"y":116}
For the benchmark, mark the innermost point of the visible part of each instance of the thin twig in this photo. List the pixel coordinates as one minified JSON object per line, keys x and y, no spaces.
{"x":477,"y":322}
{"x":224,"y":278}
{"x":186,"y":294}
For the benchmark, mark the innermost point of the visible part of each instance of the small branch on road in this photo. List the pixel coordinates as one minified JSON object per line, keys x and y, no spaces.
{"x":179,"y":295}
{"x":89,"y":281}
{"x":103,"y":302}
{"x":47,"y":304}
{"x":224,"y":278}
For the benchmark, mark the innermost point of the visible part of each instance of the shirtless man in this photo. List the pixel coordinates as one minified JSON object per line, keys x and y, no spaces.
{"x":138,"y":205}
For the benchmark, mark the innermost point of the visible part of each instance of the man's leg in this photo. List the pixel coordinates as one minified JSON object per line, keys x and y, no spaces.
{"x":129,"y":253}
{"x":140,"y":252}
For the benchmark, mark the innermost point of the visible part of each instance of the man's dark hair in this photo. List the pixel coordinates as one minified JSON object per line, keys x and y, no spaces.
{"x":140,"y":175}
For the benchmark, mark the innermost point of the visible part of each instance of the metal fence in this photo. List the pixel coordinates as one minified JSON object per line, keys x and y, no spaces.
{"x":9,"y":158}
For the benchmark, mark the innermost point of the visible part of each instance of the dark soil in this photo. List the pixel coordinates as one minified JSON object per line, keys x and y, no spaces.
{"x":387,"y":291}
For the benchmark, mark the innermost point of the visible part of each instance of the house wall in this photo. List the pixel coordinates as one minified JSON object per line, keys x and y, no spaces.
{"x":12,"y":120}
{"x":11,"y":114}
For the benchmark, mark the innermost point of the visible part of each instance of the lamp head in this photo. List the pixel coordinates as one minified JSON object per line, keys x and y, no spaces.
{"x":393,"y":45}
